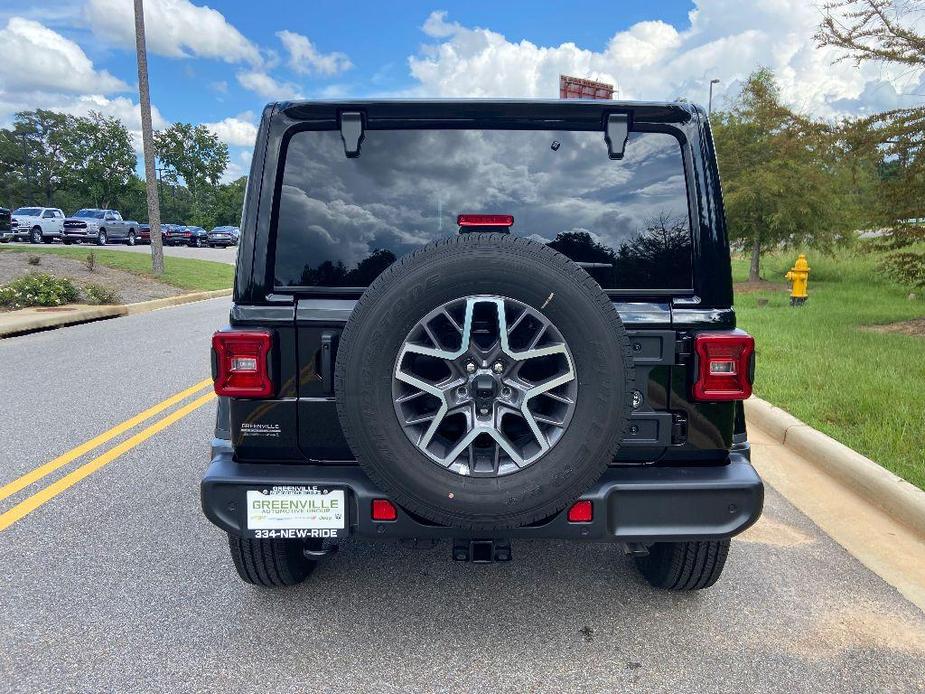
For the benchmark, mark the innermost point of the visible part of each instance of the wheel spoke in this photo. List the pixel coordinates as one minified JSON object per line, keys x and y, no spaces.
{"x":452,"y":320}
{"x":536,"y":338}
{"x":431,"y":336}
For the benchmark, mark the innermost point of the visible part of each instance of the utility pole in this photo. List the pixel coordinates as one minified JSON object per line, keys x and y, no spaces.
{"x":147,"y":138}
{"x":710,"y":102}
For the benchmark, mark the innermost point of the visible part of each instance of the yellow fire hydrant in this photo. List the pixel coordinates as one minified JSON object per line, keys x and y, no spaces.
{"x":799,"y":281}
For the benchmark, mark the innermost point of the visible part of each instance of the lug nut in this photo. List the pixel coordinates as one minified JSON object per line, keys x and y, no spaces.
{"x":505,"y":392}
{"x":461,"y":392}
{"x":498,"y":367}
{"x":483,"y":411}
{"x":471,"y":367}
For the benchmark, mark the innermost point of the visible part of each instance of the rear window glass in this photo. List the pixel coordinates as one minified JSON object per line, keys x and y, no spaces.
{"x":342,"y":221}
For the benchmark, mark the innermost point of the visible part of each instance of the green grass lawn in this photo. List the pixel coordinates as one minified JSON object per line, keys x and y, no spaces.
{"x":863,"y":388}
{"x":185,"y":273}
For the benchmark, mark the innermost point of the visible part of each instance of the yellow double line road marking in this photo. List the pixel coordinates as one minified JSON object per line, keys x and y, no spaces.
{"x":33,"y":502}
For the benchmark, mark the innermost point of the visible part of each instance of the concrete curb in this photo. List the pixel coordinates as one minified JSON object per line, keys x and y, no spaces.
{"x":896,"y":497}
{"x":31,"y":319}
{"x":145,"y":306}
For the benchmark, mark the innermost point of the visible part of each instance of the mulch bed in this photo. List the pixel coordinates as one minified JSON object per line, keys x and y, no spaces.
{"x":130,"y":288}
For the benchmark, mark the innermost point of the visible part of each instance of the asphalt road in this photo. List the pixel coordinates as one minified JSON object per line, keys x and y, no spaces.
{"x":221,"y":255}
{"x":118,"y":583}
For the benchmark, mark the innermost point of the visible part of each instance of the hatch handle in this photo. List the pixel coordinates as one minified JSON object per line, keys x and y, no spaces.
{"x":329,"y":341}
{"x":352,"y":132}
{"x":616,"y":133}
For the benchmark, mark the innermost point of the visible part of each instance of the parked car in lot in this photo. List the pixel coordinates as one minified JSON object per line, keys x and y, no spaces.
{"x":144,"y":232}
{"x":173,"y":234}
{"x":38,"y":224}
{"x":198,"y":237}
{"x":6,"y":225}
{"x":222,"y":237}
{"x":100,"y":227}
{"x":580,"y":380}
{"x":182,"y":235}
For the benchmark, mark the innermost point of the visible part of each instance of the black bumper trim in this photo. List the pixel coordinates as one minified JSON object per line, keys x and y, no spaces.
{"x":631,"y":504}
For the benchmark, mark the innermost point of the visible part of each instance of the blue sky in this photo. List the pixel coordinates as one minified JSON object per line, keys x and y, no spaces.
{"x":218,"y":64}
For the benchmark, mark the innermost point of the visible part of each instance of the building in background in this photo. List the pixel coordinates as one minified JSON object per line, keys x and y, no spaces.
{"x":578,"y":88}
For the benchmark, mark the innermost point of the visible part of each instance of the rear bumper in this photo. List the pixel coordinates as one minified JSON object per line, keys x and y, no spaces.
{"x":631,"y":504}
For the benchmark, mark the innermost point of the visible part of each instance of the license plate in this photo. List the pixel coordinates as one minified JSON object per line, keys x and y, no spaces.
{"x":296,"y":512}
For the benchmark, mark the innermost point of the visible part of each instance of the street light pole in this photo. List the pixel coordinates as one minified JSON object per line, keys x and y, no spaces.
{"x":147,"y":138}
{"x":710,"y":102}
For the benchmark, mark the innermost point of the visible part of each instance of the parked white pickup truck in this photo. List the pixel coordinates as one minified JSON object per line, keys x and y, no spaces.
{"x":38,"y":224}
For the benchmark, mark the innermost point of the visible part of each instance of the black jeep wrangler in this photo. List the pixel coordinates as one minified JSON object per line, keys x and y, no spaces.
{"x":479,"y":321}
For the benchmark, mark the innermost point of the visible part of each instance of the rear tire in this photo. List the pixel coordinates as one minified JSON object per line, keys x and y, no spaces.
{"x":270,"y":563}
{"x":684,"y":565}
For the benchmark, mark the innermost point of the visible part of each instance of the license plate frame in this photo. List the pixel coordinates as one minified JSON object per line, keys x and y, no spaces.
{"x":296,"y":512}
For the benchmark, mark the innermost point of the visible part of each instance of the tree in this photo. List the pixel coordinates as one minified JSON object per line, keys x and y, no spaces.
{"x":191,"y":153}
{"x":780,"y":171}
{"x":36,"y":148}
{"x":887,"y":32}
{"x":102,"y":158}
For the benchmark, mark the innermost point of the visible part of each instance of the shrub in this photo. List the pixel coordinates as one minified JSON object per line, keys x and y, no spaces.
{"x":35,"y":260}
{"x":38,"y":289}
{"x":98,"y":294}
{"x":90,"y":262}
{"x":906,"y":268}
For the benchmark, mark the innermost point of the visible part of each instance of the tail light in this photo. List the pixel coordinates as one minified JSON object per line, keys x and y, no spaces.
{"x":724,"y":366}
{"x":241,"y":363}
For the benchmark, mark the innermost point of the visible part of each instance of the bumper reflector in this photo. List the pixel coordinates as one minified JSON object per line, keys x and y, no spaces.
{"x":582,"y":511}
{"x":384,"y":510}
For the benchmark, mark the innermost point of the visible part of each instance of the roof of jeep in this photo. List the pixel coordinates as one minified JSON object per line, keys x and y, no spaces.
{"x":490,"y":109}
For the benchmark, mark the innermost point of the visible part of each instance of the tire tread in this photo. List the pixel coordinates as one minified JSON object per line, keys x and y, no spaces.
{"x":269,"y":563}
{"x":684,"y":566}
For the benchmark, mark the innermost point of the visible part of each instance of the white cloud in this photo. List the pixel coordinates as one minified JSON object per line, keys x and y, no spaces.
{"x":38,"y":59}
{"x":304,"y":58}
{"x":235,"y":131}
{"x":173,"y":28}
{"x":437,"y":26}
{"x":266,"y":86}
{"x":726,"y":39}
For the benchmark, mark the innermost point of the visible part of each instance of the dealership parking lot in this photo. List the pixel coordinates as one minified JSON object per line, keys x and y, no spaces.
{"x":221,"y":255}
{"x":118,"y":583}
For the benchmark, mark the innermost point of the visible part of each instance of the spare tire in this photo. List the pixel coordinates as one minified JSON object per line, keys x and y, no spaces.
{"x":484,"y":381}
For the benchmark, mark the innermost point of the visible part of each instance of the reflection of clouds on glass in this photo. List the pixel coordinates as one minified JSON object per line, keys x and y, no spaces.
{"x":408,"y":186}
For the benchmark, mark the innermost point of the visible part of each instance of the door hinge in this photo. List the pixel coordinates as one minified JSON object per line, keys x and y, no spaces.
{"x":352,"y":132}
